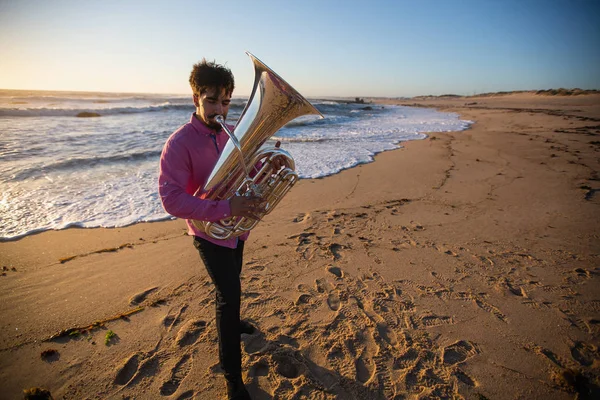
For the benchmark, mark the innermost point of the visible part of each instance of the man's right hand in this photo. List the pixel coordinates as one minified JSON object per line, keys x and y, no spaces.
{"x":246,"y":206}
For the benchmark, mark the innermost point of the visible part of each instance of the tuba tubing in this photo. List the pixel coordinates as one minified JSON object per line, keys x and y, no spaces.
{"x":272,"y":104}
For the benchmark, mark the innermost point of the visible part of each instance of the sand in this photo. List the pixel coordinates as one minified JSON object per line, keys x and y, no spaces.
{"x":465,"y":265}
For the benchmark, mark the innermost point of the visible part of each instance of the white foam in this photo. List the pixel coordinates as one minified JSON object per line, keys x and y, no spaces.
{"x":350,"y":142}
{"x":117,"y":191}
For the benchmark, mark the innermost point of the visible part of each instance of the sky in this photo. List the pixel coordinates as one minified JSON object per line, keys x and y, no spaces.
{"x":349,"y":48}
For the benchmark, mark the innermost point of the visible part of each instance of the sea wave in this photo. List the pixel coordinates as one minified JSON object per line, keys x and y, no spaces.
{"x":39,"y":171}
{"x":84,"y":99}
{"x":74,"y":112}
{"x":302,"y":122}
{"x":287,"y":139}
{"x":312,"y":121}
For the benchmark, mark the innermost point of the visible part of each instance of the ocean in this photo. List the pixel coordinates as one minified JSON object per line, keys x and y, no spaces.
{"x":59,"y":170}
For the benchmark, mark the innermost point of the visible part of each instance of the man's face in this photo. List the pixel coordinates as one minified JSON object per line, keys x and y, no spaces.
{"x":210,"y":104}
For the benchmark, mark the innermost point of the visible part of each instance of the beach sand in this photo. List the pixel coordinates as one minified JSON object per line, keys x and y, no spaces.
{"x":465,"y":265}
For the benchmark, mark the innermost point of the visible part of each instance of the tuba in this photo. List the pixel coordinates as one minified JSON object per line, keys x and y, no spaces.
{"x":272,"y":104}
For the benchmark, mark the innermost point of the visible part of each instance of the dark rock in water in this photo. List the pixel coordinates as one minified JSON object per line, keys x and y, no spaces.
{"x":367,"y":108}
{"x":86,"y":114}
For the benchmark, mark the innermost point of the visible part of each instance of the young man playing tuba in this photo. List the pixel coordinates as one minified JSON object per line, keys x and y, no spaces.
{"x":186,"y":163}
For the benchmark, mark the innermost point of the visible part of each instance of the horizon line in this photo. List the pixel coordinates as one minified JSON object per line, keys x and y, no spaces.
{"x":474,"y":94}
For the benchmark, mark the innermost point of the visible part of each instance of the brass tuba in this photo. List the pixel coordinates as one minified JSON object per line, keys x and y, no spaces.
{"x":272,"y":104}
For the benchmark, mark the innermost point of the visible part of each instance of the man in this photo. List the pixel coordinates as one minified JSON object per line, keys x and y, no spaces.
{"x":187,"y":160}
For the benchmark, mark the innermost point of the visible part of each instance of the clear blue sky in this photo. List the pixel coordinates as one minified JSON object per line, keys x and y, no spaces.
{"x":323,"y":48}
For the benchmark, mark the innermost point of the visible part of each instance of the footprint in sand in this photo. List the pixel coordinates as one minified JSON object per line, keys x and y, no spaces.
{"x":464,"y":378}
{"x":127,"y":369}
{"x":517,"y":291}
{"x":335,"y":250}
{"x":302,"y":217}
{"x":323,"y":285}
{"x":341,"y":356}
{"x":444,"y":250}
{"x":584,"y":273}
{"x":333,"y":214}
{"x":578,"y":275}
{"x":178,"y":374}
{"x":288,"y":340}
{"x":459,"y":352}
{"x":260,"y":368}
{"x":140,"y":297}
{"x":335,"y":271}
{"x":258,"y":268}
{"x":303,"y":238}
{"x":303,"y":287}
{"x":287,"y":366}
{"x":584,"y":353}
{"x":505,"y":284}
{"x":362,"y":215}
{"x":50,"y":355}
{"x":333,"y":301}
{"x":189,"y":333}
{"x":386,"y":333}
{"x":416,"y":226}
{"x":187,"y":395}
{"x":259,"y":371}
{"x":491,"y":309}
{"x":303,"y":299}
{"x":335,"y":353}
{"x":366,"y":241}
{"x":407,"y":360}
{"x":429,"y":321}
{"x":255,"y":343}
{"x":172,"y":320}
{"x":365,"y":369}
{"x":551,"y":356}
{"x":148,"y":368}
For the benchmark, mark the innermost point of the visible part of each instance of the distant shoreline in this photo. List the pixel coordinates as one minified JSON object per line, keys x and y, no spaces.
{"x":547,"y":92}
{"x":344,"y":99}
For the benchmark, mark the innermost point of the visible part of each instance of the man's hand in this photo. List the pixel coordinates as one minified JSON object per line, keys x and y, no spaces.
{"x":249,"y":207}
{"x":277,"y":162}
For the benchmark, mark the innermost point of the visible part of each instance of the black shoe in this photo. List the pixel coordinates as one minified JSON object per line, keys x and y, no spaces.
{"x":236,"y":390}
{"x":246,"y":327}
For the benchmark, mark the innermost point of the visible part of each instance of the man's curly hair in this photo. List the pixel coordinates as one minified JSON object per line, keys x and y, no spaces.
{"x":209,"y":74}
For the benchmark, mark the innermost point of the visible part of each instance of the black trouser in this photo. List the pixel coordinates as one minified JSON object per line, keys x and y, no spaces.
{"x":224,"y":265}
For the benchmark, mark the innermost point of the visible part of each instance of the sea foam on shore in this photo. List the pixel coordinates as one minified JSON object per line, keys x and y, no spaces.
{"x":58,"y":170}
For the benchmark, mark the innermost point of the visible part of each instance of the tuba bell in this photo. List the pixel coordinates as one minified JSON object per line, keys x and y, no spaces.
{"x":272,"y":104}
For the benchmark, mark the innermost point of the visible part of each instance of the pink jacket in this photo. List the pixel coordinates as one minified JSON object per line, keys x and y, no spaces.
{"x":186,"y":162}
